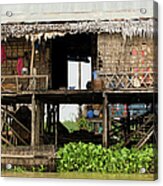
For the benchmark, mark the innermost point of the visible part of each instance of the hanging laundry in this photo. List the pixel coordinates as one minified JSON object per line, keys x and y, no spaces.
{"x":19,"y":66}
{"x":134,"y":52}
{"x":3,"y":54}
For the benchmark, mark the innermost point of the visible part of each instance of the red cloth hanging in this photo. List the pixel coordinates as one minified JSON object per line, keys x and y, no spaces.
{"x":19,"y":66}
{"x":134,"y":52}
{"x":3,"y":54}
{"x":142,"y":53}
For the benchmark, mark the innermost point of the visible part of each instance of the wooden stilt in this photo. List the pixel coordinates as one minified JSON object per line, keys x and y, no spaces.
{"x":54,"y":115}
{"x":38,"y":121}
{"x":56,"y":123}
{"x":41,"y":119}
{"x":33,"y":128}
{"x":128,"y":120}
{"x":79,"y":75}
{"x":48,"y":117}
{"x":105,"y":121}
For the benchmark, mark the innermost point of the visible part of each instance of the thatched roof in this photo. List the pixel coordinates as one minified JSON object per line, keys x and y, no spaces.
{"x":128,"y":28}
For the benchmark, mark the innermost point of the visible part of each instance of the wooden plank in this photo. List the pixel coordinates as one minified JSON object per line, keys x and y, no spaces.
{"x":23,"y":77}
{"x":17,"y":84}
{"x":16,"y":156}
{"x":95,"y":120}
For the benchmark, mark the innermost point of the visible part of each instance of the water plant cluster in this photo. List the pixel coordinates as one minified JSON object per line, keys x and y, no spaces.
{"x":83,"y":157}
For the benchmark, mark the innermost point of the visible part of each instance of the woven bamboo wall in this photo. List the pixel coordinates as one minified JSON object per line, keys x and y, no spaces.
{"x":15,"y":48}
{"x":136,"y":55}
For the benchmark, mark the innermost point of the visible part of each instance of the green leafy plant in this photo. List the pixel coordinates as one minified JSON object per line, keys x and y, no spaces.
{"x":84,"y":124}
{"x":19,"y":169}
{"x":41,"y":168}
{"x":95,"y":158}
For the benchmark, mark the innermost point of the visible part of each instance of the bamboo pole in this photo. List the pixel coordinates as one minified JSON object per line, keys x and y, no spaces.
{"x":105,"y":121}
{"x":32,"y":57}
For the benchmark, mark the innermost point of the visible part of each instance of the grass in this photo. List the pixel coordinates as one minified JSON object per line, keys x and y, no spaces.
{"x":71,"y":126}
{"x":78,"y":175}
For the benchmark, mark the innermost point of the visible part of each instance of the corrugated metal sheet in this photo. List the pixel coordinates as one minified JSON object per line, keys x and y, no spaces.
{"x":76,"y":11}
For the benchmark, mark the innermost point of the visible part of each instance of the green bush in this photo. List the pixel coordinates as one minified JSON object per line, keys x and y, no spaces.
{"x":95,"y":158}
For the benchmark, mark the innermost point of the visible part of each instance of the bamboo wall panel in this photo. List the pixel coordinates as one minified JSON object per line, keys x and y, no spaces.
{"x":121,"y":61}
{"x":18,"y":48}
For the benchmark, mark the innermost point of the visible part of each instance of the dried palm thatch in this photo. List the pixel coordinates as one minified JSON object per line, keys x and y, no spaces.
{"x":128,"y":28}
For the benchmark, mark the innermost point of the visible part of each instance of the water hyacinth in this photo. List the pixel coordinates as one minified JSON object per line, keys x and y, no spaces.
{"x":95,"y":158}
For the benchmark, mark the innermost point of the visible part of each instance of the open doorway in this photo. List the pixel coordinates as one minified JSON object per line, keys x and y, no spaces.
{"x":71,"y":61}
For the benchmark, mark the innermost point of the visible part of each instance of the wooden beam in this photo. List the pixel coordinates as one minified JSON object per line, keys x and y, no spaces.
{"x":16,"y":156}
{"x":6,"y":141}
{"x":33,"y":121}
{"x":105,"y":121}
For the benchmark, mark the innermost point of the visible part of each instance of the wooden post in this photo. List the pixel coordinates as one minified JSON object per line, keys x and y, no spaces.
{"x":105,"y":121}
{"x":33,"y":128}
{"x":80,"y":112}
